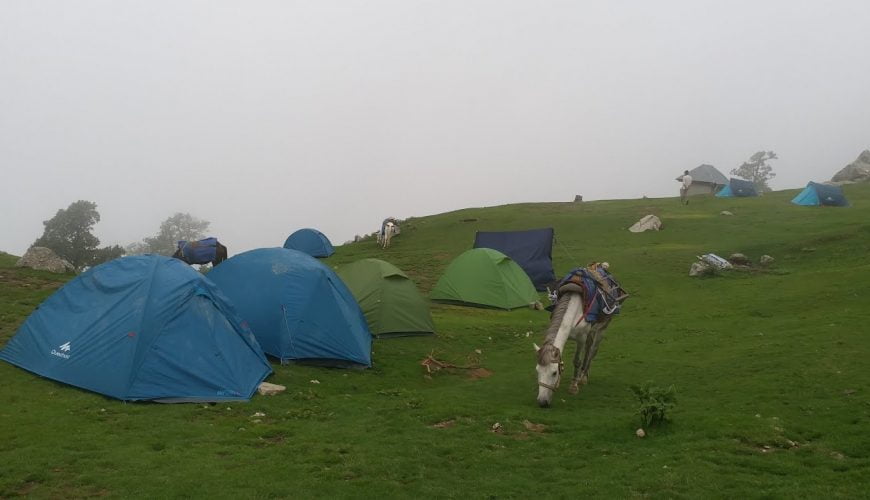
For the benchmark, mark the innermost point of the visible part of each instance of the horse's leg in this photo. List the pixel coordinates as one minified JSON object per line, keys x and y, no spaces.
{"x":581,"y":335}
{"x":595,"y":338}
{"x":575,"y":386}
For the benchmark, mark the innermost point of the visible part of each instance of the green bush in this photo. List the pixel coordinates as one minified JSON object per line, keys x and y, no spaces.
{"x":655,"y":402}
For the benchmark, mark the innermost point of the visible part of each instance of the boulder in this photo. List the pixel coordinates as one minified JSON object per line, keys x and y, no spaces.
{"x":739,"y":259}
{"x":267,"y":389}
{"x":766,"y":260}
{"x":700,"y":269}
{"x":857,"y":171}
{"x":44,"y":259}
{"x":647,"y":223}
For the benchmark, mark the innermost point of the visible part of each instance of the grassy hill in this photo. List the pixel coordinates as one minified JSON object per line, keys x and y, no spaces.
{"x":771,"y":371}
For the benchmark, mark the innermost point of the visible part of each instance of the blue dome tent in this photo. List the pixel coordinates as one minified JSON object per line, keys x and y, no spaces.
{"x":821,"y":195}
{"x":310,"y":241}
{"x":738,"y":188}
{"x":142,"y":328}
{"x":298,"y":308}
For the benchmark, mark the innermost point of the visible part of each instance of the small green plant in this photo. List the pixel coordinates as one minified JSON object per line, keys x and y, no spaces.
{"x":655,"y":402}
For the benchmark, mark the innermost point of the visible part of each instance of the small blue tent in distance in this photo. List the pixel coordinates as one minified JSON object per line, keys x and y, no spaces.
{"x":816,"y":194}
{"x":737,"y":188}
{"x":298,"y":308}
{"x":531,"y":249}
{"x":142,"y":328}
{"x":310,"y":241}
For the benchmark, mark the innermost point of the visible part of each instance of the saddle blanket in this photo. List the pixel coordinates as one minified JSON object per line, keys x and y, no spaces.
{"x":198,"y":252}
{"x":602,"y":294}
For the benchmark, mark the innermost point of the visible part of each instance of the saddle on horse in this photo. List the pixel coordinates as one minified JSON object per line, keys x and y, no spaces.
{"x":602,"y":294}
{"x":204,"y":251}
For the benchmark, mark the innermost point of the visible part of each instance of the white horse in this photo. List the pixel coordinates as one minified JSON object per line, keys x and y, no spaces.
{"x":390,"y":229}
{"x":567,"y":322}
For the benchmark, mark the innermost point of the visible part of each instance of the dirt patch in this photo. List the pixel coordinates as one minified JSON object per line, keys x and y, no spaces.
{"x":446,"y":424}
{"x":534,"y":427}
{"x":478,"y":373}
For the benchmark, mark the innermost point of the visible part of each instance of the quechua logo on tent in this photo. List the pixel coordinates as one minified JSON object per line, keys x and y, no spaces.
{"x":64,"y":350}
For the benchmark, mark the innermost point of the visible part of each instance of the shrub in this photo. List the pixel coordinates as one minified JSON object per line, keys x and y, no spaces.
{"x":655,"y":402}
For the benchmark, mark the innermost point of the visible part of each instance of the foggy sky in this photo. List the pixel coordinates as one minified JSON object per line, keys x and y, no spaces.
{"x":264,"y":117}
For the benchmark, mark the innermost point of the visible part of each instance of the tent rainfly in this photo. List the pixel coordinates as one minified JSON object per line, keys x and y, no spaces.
{"x":144,"y":327}
{"x":737,"y":188}
{"x":531,"y":249}
{"x":298,"y":308}
{"x":390,"y":301}
{"x":310,"y":241}
{"x":485,"y":277}
{"x":821,"y":195}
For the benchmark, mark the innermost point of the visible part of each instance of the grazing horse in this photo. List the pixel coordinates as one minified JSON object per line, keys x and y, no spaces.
{"x":389,"y":228}
{"x":389,"y":231}
{"x":204,"y":251}
{"x":568,"y":321}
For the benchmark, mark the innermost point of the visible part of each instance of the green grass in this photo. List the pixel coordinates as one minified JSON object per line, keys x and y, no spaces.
{"x":760,"y":360}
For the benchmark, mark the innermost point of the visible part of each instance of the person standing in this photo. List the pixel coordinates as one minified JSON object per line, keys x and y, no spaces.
{"x":686,"y":180}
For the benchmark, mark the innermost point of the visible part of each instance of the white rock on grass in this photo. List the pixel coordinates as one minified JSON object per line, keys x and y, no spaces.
{"x":725,"y":212}
{"x":267,"y":389}
{"x":44,"y":259}
{"x":739,"y":259}
{"x":700,"y":269}
{"x":766,"y":260}
{"x":646,"y":223}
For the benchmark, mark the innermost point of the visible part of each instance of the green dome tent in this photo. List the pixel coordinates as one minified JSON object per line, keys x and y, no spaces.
{"x":485,"y":277}
{"x":390,"y":301}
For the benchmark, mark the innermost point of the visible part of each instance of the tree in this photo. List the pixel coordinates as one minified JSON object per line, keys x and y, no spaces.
{"x":106,"y":254}
{"x":181,"y":226}
{"x":757,"y":170}
{"x":69,"y":235}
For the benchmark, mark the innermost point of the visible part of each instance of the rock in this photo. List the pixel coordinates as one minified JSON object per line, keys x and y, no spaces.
{"x":857,"y":171}
{"x":739,"y":259}
{"x":640,"y":433}
{"x":700,"y":269}
{"x":766,"y":260}
{"x":267,"y":389}
{"x":725,"y":212}
{"x":647,"y":223}
{"x":44,"y":259}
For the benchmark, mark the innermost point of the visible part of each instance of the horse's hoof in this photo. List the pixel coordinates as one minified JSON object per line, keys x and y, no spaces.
{"x":574,"y":389}
{"x":584,"y":380}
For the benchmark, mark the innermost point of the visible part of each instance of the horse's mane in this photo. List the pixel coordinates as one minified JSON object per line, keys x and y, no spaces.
{"x":556,"y":317}
{"x":548,"y":352}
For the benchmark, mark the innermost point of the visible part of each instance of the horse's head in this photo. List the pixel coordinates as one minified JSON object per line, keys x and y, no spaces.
{"x":549,"y":368}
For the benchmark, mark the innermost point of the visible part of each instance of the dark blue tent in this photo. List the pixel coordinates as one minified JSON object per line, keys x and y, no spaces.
{"x":738,"y":188}
{"x":821,"y":194}
{"x":298,"y":308}
{"x":142,"y":328}
{"x":532,"y":250}
{"x":310,"y":241}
